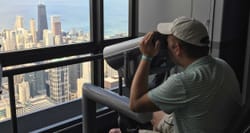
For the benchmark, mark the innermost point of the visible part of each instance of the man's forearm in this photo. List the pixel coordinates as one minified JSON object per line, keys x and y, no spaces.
{"x":140,"y":83}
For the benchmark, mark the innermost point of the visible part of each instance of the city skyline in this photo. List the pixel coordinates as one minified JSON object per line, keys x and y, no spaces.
{"x":28,"y":10}
{"x":72,"y":19}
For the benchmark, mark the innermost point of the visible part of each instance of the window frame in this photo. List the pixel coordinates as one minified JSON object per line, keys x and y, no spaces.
{"x":95,"y":47}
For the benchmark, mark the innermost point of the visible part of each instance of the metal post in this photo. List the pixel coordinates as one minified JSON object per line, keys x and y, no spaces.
{"x":120,"y":83}
{"x":12,"y":104}
{"x":89,"y":115}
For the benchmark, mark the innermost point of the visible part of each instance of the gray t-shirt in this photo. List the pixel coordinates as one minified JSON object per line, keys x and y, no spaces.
{"x":203,"y":98}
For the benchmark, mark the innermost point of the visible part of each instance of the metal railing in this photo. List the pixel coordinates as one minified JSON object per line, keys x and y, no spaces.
{"x":29,"y":56}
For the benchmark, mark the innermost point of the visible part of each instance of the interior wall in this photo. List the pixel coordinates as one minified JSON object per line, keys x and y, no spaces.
{"x":216,"y":27}
{"x":152,"y":12}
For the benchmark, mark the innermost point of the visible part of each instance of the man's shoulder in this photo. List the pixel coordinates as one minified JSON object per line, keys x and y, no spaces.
{"x":220,"y":61}
{"x":223,"y":65}
{"x":182,"y":76}
{"x":179,"y":79}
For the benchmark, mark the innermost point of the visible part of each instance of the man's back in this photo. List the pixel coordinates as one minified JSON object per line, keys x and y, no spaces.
{"x":203,"y":98}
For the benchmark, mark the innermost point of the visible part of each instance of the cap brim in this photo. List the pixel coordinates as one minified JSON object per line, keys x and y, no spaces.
{"x":165,"y":28}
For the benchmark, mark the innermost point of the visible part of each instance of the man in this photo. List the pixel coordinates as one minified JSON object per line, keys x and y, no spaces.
{"x":204,"y":97}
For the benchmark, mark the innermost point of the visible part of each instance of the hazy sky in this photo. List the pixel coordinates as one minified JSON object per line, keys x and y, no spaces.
{"x":28,"y":9}
{"x":74,"y":13}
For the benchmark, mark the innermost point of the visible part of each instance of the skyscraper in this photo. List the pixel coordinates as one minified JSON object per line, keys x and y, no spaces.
{"x":10,"y":40}
{"x":40,"y":82}
{"x":24,"y":92}
{"x":21,"y":33}
{"x":42,"y":21}
{"x":30,"y":78}
{"x":59,"y":84}
{"x":19,"y":22}
{"x":74,"y":74}
{"x":56,"y":25}
{"x":56,"y":29}
{"x":48,"y":39}
{"x":33,"y":30}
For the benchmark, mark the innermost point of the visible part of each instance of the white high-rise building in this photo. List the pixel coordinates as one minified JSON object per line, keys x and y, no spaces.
{"x":10,"y":40}
{"x":86,"y":77}
{"x":86,"y":72}
{"x":21,"y":33}
{"x":80,"y":82}
{"x":33,"y":30}
{"x":19,"y":22}
{"x":48,"y":38}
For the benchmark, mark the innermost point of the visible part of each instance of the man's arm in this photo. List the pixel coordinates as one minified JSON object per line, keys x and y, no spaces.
{"x":139,"y":101}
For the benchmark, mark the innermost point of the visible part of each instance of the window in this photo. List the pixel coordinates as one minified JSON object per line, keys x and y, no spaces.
{"x":115,"y":19}
{"x":115,"y":26}
{"x":36,"y":91}
{"x":33,"y":24}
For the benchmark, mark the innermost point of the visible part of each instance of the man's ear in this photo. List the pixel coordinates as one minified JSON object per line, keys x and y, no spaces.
{"x":177,"y":48}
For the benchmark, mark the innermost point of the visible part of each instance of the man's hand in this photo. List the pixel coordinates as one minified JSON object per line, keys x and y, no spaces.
{"x":147,"y":47}
{"x":157,"y":117}
{"x":115,"y":130}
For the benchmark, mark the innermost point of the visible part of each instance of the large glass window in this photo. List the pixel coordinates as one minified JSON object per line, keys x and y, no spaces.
{"x":39,"y":90}
{"x":115,"y":19}
{"x":115,"y":26}
{"x":34,"y":24}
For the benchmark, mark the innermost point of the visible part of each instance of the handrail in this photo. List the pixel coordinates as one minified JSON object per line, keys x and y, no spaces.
{"x":41,"y":54}
{"x":94,"y":94}
{"x":10,"y":74}
{"x":47,"y":65}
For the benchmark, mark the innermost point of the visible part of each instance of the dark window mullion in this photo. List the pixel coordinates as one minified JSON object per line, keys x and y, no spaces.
{"x":12,"y":104}
{"x":97,"y":36}
{"x":96,"y":21}
{"x":133,"y":18}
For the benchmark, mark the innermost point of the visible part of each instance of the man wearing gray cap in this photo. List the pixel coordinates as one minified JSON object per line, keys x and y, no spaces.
{"x":204,"y":97}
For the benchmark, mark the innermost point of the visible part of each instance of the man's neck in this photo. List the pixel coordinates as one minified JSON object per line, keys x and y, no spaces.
{"x":187,"y":61}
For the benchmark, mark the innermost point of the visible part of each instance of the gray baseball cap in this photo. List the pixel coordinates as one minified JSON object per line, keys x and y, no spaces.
{"x":187,"y":29}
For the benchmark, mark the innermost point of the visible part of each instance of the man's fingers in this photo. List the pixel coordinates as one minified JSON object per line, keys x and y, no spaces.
{"x":157,"y":45}
{"x":149,"y":37}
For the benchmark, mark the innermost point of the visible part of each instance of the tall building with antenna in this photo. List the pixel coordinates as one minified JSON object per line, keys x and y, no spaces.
{"x":42,"y":20}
